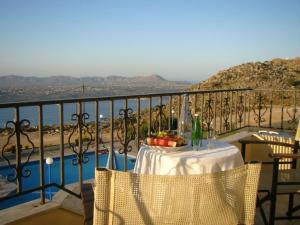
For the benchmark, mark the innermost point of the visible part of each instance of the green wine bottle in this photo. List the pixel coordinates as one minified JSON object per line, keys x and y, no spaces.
{"x":197,"y":133}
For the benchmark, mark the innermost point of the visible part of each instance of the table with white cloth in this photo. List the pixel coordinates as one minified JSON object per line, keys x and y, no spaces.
{"x":157,"y":160}
{"x":186,"y":161}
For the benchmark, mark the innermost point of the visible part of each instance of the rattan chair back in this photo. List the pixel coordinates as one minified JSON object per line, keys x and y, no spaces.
{"x":226,"y":197}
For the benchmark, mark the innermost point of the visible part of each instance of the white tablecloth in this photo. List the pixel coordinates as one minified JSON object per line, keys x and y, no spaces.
{"x":185,"y":161}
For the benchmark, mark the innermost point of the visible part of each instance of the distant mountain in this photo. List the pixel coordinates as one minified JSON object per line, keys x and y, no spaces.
{"x":20,"y":88}
{"x":151,"y":78}
{"x":275,"y":74}
{"x":22,"y":81}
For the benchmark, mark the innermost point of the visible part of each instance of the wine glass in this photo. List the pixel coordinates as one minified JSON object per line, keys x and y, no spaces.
{"x":211,"y":136}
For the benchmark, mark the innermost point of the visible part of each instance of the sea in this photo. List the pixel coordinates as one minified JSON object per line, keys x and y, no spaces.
{"x":51,"y":112}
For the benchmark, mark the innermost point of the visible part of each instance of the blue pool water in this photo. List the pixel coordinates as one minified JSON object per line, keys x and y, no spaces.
{"x":71,"y":175}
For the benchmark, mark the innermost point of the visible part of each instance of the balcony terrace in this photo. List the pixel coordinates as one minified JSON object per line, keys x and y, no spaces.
{"x":84,"y":140}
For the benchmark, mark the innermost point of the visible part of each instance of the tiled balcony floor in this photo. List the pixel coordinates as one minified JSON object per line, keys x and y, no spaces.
{"x":74,"y":204}
{"x":70,"y":201}
{"x":281,"y":210}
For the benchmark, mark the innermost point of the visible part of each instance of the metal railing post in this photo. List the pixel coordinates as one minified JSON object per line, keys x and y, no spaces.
{"x":282,"y":109}
{"x":97,"y":134}
{"x":125,"y":133}
{"x":62,"y":145}
{"x":80,"y":159}
{"x":111,"y":153}
{"x":18,"y":150}
{"x":138,"y":123}
{"x":170,"y":120}
{"x":150,"y":117}
{"x":41,"y":144}
{"x":271,"y":109}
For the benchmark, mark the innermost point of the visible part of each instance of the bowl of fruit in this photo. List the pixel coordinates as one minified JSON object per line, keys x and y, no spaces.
{"x":166,"y":139}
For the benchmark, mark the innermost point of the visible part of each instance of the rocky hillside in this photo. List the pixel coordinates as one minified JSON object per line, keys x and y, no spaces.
{"x":274,"y":74}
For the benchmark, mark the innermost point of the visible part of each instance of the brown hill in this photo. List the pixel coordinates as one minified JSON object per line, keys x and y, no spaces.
{"x":274,"y":74}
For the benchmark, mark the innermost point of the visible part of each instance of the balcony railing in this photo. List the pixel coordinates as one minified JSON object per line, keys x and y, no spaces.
{"x":127,"y":121}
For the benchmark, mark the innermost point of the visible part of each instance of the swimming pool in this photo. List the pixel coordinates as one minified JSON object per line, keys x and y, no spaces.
{"x":71,"y":175}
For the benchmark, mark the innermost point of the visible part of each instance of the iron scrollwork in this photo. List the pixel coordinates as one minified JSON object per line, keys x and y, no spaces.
{"x":240,"y":108}
{"x":18,"y":128}
{"x":208,"y":113}
{"x":126,"y":130}
{"x":81,"y":127}
{"x":226,"y":113}
{"x":292,"y":115}
{"x":292,"y":112}
{"x":259,"y":108}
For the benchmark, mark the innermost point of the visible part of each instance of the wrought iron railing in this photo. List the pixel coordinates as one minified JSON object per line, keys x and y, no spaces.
{"x":127,"y":126}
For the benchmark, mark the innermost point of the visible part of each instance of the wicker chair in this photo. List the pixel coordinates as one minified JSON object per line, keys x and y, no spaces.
{"x":282,"y":151}
{"x":87,"y":196}
{"x":223,"y":198}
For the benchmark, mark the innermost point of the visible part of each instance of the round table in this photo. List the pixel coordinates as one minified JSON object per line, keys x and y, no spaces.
{"x":186,"y":161}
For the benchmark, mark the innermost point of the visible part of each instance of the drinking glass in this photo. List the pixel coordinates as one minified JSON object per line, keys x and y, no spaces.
{"x":212,"y":139}
{"x":210,"y":136}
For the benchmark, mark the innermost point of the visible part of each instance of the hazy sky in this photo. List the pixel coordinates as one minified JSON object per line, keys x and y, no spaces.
{"x":180,"y":40}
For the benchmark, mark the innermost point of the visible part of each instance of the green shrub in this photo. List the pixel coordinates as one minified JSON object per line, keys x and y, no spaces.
{"x":143,"y":130}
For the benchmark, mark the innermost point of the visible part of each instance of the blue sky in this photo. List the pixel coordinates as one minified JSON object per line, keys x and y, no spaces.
{"x":180,"y":40}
